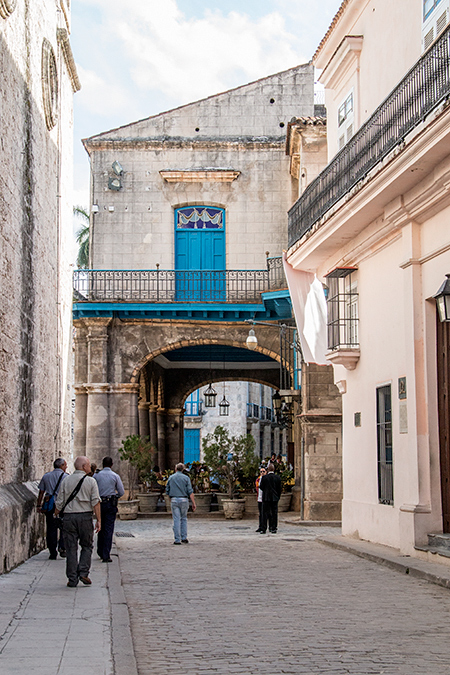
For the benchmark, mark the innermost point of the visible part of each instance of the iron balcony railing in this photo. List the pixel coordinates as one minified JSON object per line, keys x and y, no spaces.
{"x":234,"y":286}
{"x":424,"y":87}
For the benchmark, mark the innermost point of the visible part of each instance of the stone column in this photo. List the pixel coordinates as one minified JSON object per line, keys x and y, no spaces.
{"x":153,"y":424}
{"x":123,"y":410}
{"x":161,"y":438}
{"x":174,"y":436}
{"x":143,"y":410}
{"x":97,"y":422}
{"x":97,"y":389}
{"x":79,"y":421}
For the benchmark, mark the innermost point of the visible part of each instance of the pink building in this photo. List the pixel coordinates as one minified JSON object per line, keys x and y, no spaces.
{"x":374,"y":227}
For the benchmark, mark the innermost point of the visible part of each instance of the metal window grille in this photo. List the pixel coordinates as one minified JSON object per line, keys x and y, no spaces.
{"x":422,"y":89}
{"x":384,"y":445}
{"x":342,"y":306}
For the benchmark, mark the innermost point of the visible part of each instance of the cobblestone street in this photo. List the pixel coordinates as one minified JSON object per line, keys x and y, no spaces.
{"x":233,"y":601}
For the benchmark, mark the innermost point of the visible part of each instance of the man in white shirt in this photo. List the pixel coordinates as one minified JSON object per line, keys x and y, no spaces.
{"x":78,"y":497}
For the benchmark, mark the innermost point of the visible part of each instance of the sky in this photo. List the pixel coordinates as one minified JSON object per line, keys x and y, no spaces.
{"x":142,"y":57}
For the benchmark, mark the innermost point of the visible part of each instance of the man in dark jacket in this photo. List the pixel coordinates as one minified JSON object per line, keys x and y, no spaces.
{"x":270,"y":485}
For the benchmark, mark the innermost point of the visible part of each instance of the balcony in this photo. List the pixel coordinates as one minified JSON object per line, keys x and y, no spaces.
{"x":178,"y":285}
{"x":423,"y":88}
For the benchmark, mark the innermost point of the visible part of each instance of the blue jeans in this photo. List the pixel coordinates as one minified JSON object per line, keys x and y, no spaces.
{"x":180,"y":506}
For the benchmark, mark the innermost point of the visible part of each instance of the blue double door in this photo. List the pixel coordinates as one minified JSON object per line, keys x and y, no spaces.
{"x":200,"y":265}
{"x":191,"y":445}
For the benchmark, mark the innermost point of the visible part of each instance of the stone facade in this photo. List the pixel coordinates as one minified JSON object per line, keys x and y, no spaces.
{"x":38,"y":82}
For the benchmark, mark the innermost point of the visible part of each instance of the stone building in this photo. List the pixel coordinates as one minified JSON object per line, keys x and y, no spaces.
{"x":373,"y":225}
{"x":184,"y":207}
{"x":188,"y":223}
{"x":38,"y":82}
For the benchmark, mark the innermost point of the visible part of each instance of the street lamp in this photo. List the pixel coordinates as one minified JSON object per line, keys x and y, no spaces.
{"x":442,"y":298}
{"x":224,"y":407}
{"x":252,"y":340}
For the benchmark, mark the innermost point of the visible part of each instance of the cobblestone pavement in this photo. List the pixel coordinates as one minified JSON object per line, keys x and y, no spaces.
{"x":233,"y":601}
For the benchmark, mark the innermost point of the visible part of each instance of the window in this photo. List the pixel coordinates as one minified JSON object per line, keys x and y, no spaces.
{"x":428,"y":6}
{"x":345,"y":120}
{"x":342,"y":306}
{"x":384,"y":445}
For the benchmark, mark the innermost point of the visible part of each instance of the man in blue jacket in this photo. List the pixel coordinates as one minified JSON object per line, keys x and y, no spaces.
{"x":180,"y":490}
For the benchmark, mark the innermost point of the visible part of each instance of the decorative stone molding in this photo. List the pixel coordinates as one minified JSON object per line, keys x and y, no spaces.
{"x":344,"y":357}
{"x":49,"y":77}
{"x":124,"y":388}
{"x":97,"y":388}
{"x":199,"y":175}
{"x":7,"y":7}
{"x":64,"y":42}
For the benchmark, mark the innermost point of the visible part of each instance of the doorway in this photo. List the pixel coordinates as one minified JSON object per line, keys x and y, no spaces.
{"x":200,"y":254}
{"x":443,"y":378}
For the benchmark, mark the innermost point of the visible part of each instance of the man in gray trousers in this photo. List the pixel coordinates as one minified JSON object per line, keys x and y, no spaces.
{"x":77,"y":498}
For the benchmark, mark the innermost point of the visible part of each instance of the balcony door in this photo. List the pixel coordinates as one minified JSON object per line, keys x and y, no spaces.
{"x":200,"y":254}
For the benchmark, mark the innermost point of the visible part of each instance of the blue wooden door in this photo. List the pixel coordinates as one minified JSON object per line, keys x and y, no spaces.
{"x":191,"y":445}
{"x":200,"y":254}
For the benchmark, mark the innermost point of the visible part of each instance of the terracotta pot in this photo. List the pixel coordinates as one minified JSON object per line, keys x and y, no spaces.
{"x":128,"y":510}
{"x":147,"y":501}
{"x":233,"y":508}
{"x":285,"y":502}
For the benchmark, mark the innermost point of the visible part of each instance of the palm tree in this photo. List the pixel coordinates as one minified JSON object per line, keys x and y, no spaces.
{"x":82,"y":237}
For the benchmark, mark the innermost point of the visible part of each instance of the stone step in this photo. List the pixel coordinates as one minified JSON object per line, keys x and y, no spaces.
{"x":438,"y":541}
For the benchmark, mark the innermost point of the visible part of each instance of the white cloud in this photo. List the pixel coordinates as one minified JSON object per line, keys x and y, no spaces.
{"x":98,"y":95}
{"x":189,"y":58}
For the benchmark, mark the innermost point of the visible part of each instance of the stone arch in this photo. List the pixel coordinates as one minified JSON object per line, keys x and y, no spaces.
{"x":188,"y":343}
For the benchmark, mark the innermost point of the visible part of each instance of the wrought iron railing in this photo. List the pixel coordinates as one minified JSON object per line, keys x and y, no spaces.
{"x":424,"y":87}
{"x":234,"y":286}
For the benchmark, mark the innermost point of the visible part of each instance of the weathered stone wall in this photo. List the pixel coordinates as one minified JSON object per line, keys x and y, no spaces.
{"x":320,"y":421}
{"x":22,"y":528}
{"x":35,"y":227}
{"x":243,"y":130}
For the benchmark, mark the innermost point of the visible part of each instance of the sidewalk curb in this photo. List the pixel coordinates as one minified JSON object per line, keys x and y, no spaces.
{"x":124,"y":660}
{"x":434,"y":573}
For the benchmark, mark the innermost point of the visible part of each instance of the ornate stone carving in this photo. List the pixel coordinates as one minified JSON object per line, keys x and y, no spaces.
{"x":49,"y":84}
{"x":7,"y":7}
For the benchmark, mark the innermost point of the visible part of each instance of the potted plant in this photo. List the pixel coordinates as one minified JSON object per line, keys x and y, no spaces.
{"x":139,"y":452}
{"x":227,"y":458}
{"x":199,"y":475}
{"x":287,"y":482}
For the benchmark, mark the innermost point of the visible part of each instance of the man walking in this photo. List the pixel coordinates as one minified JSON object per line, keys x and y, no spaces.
{"x":48,"y":491}
{"x":270,"y":485}
{"x":77,"y":499}
{"x":110,"y":488}
{"x":180,"y":490}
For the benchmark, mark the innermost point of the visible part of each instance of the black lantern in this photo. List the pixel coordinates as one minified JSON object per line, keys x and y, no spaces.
{"x":442,"y":298}
{"x":210,"y":396}
{"x":276,"y":402}
{"x":224,"y":407}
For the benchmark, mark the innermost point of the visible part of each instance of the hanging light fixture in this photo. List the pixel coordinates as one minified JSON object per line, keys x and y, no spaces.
{"x":224,"y":405}
{"x":442,"y":298}
{"x":252,"y":340}
{"x":210,"y":395}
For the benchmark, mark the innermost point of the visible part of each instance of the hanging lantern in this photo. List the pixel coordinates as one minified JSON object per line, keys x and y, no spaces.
{"x":224,"y":407}
{"x":210,"y":396}
{"x":252,"y":340}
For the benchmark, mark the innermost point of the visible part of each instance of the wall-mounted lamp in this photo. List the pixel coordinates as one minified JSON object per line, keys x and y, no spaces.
{"x":94,"y":208}
{"x":252,"y":340}
{"x":442,"y":298}
{"x":114,"y":184}
{"x":117,"y":168}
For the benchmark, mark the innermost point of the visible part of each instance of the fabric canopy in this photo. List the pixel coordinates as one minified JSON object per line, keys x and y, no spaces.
{"x":310,"y":312}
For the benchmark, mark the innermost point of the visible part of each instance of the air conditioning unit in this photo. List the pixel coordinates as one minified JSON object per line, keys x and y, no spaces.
{"x":433,"y":24}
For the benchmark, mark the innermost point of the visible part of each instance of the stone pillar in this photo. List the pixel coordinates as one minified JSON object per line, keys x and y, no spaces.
{"x":97,"y":340}
{"x":153,"y":424}
{"x":174,"y":436}
{"x":97,"y":422}
{"x":123,"y":410}
{"x":143,"y":410}
{"x":79,"y":421}
{"x":161,"y":438}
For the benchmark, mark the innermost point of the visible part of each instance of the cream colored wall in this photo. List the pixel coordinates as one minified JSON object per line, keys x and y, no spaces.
{"x":391,"y":45}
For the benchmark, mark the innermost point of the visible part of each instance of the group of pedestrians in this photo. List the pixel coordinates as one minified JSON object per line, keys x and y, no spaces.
{"x":69,"y":503}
